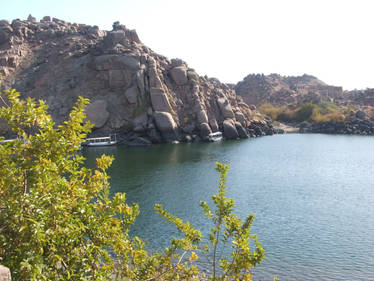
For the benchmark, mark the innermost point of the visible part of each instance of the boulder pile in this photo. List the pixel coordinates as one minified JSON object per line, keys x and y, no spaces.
{"x":357,"y":124}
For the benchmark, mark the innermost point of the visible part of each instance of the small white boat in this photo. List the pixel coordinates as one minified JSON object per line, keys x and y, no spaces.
{"x":217,"y":136}
{"x":102,"y":141}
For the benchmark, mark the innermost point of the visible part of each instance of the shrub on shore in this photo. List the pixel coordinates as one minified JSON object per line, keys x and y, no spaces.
{"x":323,"y":112}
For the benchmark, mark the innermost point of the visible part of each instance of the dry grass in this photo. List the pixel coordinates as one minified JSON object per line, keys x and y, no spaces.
{"x":323,"y":112}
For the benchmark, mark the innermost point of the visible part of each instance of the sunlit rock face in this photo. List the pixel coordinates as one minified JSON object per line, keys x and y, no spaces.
{"x":134,"y":91}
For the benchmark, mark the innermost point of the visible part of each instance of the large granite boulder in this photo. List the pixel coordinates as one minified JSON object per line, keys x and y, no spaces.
{"x":131,"y":94}
{"x":166,"y":125}
{"x":241,"y":131}
{"x":97,"y":113}
{"x":229,"y":129}
{"x":225,"y":108}
{"x":240,"y":118}
{"x":213,"y":125}
{"x":179,"y":75}
{"x":201,"y":115}
{"x":204,"y":130}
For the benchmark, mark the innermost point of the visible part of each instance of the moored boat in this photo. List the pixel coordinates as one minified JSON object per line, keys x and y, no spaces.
{"x":217,"y":136}
{"x":101,"y":141}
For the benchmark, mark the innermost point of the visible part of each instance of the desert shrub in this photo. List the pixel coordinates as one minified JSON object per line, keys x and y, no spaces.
{"x":334,"y":117}
{"x":305,"y":112}
{"x":320,"y":113}
{"x":270,"y":110}
{"x":327,"y":107}
{"x":287,"y":115}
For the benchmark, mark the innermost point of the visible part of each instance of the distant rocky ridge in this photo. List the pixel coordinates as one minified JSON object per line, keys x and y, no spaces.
{"x":259,"y":89}
{"x":362,"y":98}
{"x":135,"y":92}
{"x":282,"y":90}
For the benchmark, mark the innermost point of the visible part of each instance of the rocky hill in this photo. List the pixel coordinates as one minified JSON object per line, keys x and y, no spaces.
{"x":135,"y":92}
{"x":282,"y":90}
{"x":361,"y":98}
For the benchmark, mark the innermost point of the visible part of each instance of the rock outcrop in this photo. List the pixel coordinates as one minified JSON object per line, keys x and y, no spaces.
{"x":280,"y":90}
{"x":357,"y":124}
{"x":135,"y":92}
{"x":361,"y":98}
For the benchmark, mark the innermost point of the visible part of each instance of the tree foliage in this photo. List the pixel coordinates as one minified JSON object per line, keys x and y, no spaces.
{"x":59,"y":222}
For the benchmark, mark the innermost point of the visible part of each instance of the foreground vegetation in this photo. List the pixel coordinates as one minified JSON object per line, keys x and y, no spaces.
{"x":58,"y":221}
{"x":322,"y":112}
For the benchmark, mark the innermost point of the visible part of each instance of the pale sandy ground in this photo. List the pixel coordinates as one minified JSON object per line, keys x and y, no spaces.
{"x":286,"y":128}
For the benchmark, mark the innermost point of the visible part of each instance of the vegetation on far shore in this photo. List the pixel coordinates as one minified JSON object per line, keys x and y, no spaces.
{"x":323,"y":112}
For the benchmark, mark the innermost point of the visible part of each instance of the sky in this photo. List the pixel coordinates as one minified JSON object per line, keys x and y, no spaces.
{"x":330,"y":39}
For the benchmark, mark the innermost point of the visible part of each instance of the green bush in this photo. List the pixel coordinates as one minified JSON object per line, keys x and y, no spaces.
{"x":319,"y":113}
{"x":305,"y":112}
{"x":286,"y":115}
{"x":270,"y":110}
{"x":57,"y":221}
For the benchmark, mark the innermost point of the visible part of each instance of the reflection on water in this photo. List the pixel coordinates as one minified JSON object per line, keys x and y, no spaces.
{"x":313,"y":197}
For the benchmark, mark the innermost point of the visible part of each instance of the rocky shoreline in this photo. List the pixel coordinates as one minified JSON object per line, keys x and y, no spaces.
{"x":255,"y":129}
{"x":351,"y":127}
{"x":357,"y":124}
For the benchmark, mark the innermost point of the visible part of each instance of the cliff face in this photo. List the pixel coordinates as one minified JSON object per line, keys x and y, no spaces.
{"x":280,"y":90}
{"x":133,"y":90}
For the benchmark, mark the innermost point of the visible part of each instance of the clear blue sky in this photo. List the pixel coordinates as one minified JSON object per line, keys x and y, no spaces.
{"x":331,"y":39}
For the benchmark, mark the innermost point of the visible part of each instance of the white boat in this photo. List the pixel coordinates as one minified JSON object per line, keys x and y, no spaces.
{"x":101,"y":141}
{"x":217,"y":136}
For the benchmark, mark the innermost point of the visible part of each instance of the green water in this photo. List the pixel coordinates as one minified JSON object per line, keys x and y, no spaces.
{"x":313,"y":197}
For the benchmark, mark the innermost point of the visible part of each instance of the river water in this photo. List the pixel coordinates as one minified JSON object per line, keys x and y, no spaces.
{"x":312,"y":194}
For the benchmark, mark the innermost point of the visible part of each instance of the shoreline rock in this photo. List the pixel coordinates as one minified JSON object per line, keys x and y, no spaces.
{"x":363,"y":127}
